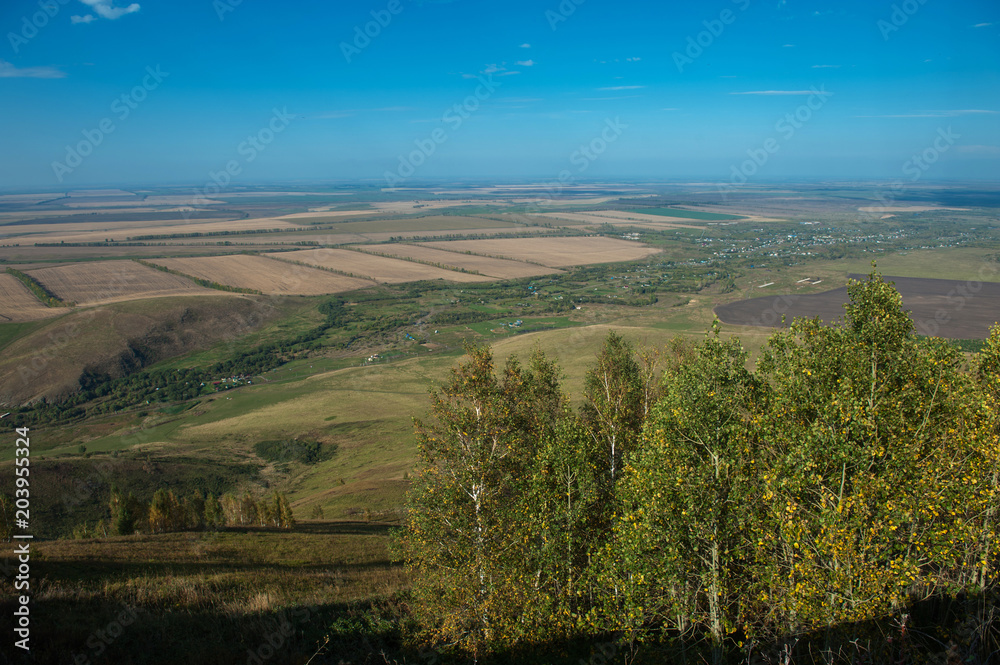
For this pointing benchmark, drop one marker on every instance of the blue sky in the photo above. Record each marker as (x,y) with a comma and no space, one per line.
(551,78)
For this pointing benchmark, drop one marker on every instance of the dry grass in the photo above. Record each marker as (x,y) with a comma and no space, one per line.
(378,268)
(120,232)
(18,304)
(208,598)
(264,274)
(553,252)
(113,281)
(500,268)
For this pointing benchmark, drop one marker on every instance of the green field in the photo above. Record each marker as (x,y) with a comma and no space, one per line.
(971,263)
(689,214)
(409,224)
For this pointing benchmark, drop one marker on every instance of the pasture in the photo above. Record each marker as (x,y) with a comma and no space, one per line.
(552,252)
(263,274)
(103,282)
(375,267)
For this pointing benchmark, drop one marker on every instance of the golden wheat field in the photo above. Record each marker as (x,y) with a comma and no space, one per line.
(552,252)
(18,304)
(104,282)
(378,268)
(264,274)
(78,232)
(500,268)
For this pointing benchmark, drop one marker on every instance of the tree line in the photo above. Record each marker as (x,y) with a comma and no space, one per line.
(167,512)
(38,289)
(207,283)
(696,509)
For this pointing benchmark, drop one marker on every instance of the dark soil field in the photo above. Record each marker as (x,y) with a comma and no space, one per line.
(938,307)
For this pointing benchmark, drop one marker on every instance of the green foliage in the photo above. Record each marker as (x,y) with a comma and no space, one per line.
(166,513)
(851,475)
(128,514)
(207,283)
(48,298)
(299,450)
(6,517)
(467,525)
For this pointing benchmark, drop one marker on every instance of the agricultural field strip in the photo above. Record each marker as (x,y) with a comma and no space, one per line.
(47,234)
(412,224)
(552,252)
(616,217)
(17,303)
(499,268)
(101,282)
(376,267)
(263,274)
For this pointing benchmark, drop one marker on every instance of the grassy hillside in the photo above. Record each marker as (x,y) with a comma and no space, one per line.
(46,360)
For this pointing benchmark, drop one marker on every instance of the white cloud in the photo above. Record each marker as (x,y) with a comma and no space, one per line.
(632,59)
(82,19)
(982,25)
(499,70)
(105,9)
(610,99)
(8,70)
(526,63)
(826,66)
(623,87)
(526,45)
